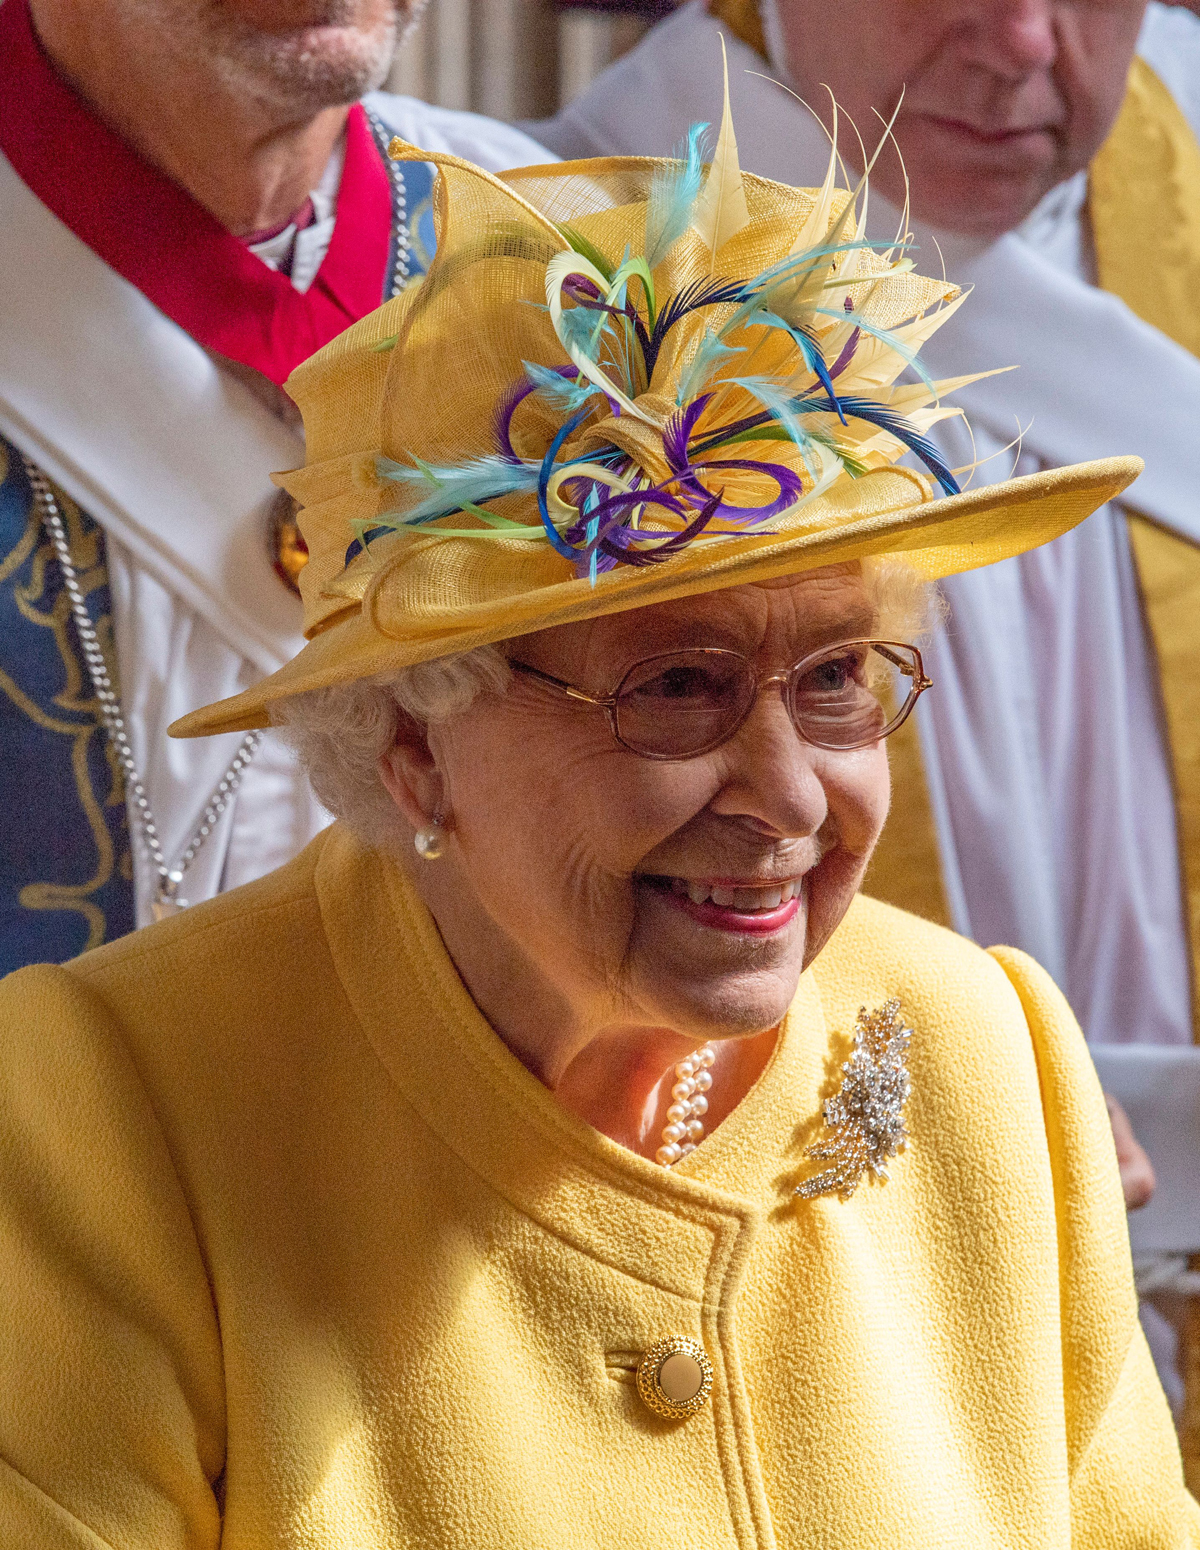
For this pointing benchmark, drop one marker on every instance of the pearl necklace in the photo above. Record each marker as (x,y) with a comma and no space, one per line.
(684,1127)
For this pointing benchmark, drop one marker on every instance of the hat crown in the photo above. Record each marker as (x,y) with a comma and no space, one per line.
(588,339)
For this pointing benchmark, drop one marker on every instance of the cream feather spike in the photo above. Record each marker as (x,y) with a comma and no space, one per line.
(721,210)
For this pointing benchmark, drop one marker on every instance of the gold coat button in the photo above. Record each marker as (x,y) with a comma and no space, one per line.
(674,1377)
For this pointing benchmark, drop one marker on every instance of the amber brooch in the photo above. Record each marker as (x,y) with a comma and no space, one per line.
(865,1121)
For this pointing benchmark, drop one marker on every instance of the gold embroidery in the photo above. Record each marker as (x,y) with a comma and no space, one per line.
(1144,194)
(75,697)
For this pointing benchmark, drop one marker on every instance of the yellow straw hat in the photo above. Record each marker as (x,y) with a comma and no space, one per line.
(623,381)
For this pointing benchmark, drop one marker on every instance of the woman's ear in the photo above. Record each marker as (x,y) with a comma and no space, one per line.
(410,774)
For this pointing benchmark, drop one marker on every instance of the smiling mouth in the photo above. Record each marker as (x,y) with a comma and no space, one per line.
(728,906)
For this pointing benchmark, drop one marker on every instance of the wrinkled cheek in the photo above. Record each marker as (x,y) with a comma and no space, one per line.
(874,806)
(857,791)
(832,884)
(858,806)
(585,916)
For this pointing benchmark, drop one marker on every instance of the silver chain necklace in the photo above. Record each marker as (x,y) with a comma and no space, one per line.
(400,257)
(166,899)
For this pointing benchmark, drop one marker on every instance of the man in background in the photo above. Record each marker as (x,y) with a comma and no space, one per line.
(194,196)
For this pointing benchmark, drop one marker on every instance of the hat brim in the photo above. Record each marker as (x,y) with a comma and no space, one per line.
(937,537)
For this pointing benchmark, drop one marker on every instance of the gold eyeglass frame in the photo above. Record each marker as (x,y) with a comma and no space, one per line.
(914,670)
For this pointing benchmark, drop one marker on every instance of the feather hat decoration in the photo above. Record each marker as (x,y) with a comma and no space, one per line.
(624,380)
(656,322)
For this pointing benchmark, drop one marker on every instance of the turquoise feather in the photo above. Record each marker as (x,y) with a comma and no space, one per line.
(711,352)
(778,401)
(562,393)
(673,193)
(467,484)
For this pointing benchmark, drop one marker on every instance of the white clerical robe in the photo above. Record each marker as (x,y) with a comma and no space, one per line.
(1042,740)
(172,455)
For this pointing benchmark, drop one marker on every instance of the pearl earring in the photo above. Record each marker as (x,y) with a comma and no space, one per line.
(428,842)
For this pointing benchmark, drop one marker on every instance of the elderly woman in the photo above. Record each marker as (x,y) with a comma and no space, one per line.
(508,1170)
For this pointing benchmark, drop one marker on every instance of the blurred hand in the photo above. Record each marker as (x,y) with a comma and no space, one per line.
(1137,1173)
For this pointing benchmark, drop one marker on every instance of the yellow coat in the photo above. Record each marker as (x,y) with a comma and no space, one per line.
(294,1253)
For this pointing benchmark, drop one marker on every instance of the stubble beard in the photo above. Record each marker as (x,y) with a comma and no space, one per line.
(328,63)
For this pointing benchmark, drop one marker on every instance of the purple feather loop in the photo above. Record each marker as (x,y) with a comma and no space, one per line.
(516,396)
(604,536)
(676,441)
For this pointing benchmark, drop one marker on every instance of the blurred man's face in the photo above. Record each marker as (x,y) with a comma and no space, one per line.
(310,53)
(1002,98)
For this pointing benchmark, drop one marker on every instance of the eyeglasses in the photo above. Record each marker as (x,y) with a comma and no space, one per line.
(686,703)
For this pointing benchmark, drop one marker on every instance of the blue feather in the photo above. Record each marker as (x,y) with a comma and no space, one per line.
(781,406)
(557,541)
(896,425)
(673,193)
(481,479)
(560,392)
(787,272)
(806,344)
(367,534)
(704,292)
(885,336)
(709,355)
(583,328)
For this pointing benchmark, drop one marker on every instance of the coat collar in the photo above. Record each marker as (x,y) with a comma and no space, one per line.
(686,1230)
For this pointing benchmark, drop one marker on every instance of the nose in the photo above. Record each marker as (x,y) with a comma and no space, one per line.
(1013,38)
(773,776)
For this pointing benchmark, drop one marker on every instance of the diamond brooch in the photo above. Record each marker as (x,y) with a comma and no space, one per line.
(865,1121)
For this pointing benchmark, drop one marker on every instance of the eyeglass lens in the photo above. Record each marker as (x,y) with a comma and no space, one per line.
(687,702)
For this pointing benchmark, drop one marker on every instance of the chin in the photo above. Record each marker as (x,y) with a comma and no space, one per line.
(974,189)
(730,1006)
(316,67)
(977,204)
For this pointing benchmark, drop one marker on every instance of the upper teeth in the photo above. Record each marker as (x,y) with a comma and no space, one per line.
(745,899)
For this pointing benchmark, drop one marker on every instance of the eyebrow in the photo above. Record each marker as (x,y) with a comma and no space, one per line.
(856,625)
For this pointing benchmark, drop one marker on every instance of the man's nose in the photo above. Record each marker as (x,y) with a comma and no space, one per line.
(1013,38)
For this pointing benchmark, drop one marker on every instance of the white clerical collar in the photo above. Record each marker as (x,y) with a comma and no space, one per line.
(300,252)
(1057,229)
